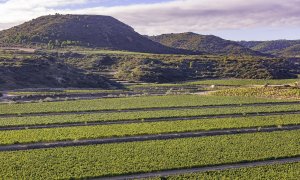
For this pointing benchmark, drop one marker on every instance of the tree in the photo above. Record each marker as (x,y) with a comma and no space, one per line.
(51,44)
(57,43)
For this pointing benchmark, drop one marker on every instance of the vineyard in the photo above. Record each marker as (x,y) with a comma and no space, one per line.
(285,171)
(126,103)
(233,133)
(266,92)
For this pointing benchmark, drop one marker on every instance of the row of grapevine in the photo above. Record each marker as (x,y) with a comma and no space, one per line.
(117,130)
(125,103)
(275,172)
(271,92)
(142,115)
(126,158)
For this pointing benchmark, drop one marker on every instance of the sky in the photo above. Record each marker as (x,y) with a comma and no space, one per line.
(229,19)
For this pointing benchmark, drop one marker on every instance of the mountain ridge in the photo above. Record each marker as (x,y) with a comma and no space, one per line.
(205,43)
(95,31)
(275,47)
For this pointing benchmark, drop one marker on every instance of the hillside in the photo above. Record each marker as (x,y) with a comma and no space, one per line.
(204,43)
(36,71)
(81,30)
(174,68)
(277,47)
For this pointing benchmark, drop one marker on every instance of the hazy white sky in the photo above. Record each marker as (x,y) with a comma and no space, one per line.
(230,19)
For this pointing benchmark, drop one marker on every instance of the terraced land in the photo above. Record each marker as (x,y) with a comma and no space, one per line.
(173,137)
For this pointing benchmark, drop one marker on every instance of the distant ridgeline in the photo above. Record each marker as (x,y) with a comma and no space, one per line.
(55,31)
(286,48)
(204,43)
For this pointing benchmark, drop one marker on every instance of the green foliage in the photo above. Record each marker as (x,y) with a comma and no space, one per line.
(269,92)
(243,82)
(127,158)
(90,132)
(276,171)
(126,103)
(142,115)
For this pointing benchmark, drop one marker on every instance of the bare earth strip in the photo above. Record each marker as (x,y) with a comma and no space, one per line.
(28,50)
(166,173)
(59,125)
(150,109)
(43,145)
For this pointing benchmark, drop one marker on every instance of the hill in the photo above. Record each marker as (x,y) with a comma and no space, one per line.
(278,47)
(204,43)
(37,71)
(81,30)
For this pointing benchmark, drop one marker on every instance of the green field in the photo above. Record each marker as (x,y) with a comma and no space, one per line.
(142,115)
(124,158)
(228,82)
(245,82)
(114,159)
(265,92)
(274,172)
(127,103)
(90,132)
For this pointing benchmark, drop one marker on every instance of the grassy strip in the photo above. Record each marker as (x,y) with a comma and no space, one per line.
(243,82)
(117,159)
(271,92)
(142,115)
(90,132)
(277,171)
(227,82)
(126,103)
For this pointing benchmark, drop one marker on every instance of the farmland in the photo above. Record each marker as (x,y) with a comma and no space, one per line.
(136,135)
(126,103)
(145,115)
(90,132)
(285,171)
(100,160)
(232,82)
(266,92)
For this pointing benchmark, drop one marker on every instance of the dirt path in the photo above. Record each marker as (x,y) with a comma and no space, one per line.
(166,173)
(28,50)
(150,109)
(42,145)
(76,124)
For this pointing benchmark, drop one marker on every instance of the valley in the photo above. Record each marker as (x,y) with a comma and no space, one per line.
(87,97)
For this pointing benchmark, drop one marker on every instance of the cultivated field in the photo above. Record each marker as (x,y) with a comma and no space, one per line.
(229,133)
